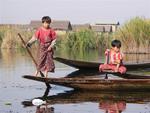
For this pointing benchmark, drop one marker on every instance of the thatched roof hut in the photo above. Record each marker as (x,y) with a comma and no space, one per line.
(97,28)
(77,27)
(35,24)
(61,25)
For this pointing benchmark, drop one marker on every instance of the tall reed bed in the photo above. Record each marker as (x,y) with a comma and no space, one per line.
(84,40)
(135,35)
(9,38)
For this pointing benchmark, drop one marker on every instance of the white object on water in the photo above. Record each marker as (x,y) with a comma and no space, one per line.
(38,102)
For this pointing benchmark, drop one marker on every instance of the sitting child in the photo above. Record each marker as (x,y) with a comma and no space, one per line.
(113,59)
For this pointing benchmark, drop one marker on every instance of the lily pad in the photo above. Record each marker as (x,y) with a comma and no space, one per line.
(8,103)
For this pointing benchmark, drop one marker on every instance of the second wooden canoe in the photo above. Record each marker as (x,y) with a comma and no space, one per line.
(83,65)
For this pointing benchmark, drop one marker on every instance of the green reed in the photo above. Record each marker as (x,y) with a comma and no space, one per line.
(84,40)
(135,35)
(9,38)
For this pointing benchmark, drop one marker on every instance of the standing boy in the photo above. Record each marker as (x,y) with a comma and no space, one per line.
(46,38)
(113,59)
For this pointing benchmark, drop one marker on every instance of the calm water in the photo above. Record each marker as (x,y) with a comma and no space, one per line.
(16,92)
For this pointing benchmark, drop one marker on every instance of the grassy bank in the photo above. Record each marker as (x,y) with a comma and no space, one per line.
(84,40)
(9,38)
(134,35)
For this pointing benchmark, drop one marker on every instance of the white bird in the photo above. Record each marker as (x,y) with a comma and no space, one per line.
(38,102)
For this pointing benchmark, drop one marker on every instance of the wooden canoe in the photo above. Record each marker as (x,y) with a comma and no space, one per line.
(97,84)
(95,65)
(92,73)
(94,96)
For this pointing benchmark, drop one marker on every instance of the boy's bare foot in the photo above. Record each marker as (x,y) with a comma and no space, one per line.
(46,76)
(36,73)
(46,73)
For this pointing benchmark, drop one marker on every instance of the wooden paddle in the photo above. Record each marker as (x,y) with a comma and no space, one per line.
(106,76)
(30,54)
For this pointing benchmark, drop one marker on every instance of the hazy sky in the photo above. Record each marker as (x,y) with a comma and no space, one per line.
(77,11)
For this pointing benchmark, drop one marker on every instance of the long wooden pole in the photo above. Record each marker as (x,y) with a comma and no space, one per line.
(29,52)
(24,43)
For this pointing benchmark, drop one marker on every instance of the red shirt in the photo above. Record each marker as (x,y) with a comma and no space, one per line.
(41,34)
(114,56)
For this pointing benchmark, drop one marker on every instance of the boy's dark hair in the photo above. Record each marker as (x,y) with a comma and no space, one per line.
(46,19)
(116,43)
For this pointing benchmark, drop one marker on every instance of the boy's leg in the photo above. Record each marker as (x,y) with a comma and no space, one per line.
(105,67)
(101,67)
(36,73)
(46,73)
(113,68)
(122,69)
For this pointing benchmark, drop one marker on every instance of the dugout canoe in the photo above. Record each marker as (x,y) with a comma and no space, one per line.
(83,65)
(97,74)
(75,96)
(97,83)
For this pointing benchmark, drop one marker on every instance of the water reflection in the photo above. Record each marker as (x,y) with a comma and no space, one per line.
(110,102)
(80,55)
(98,56)
(137,58)
(113,107)
(14,64)
(44,109)
(10,57)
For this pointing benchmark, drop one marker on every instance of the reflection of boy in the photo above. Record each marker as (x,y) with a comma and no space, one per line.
(111,107)
(114,58)
(47,38)
(44,109)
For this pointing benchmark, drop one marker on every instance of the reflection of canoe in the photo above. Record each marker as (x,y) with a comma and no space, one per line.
(92,96)
(94,65)
(96,83)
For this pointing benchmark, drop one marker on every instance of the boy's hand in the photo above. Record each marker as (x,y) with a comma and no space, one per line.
(105,62)
(49,49)
(117,61)
(116,70)
(28,45)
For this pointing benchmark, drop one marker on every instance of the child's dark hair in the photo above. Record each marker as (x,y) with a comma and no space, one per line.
(46,19)
(116,43)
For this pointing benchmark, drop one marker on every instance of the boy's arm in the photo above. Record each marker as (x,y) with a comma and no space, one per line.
(107,53)
(31,41)
(117,67)
(52,45)
(53,35)
(118,62)
(106,60)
